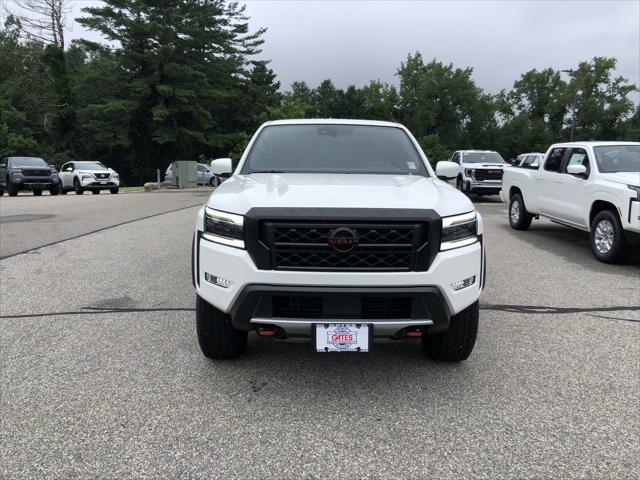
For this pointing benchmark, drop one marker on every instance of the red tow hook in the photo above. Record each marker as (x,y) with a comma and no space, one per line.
(263,332)
(413,333)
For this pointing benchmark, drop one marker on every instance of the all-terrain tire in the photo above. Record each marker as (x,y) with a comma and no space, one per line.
(607,237)
(216,336)
(456,343)
(519,218)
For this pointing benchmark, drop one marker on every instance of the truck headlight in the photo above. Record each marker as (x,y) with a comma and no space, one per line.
(470,172)
(459,231)
(223,227)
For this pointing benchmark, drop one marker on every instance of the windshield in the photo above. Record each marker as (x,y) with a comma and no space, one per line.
(334,149)
(618,158)
(482,157)
(27,162)
(90,166)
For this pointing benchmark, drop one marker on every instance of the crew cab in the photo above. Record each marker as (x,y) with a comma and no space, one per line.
(592,186)
(28,173)
(529,160)
(338,231)
(480,171)
(91,176)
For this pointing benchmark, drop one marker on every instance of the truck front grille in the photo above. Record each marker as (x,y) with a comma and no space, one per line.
(482,175)
(345,246)
(36,172)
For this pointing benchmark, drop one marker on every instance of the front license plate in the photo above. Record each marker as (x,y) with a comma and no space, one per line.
(343,337)
(103,183)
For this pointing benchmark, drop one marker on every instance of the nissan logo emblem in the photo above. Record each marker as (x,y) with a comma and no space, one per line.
(343,240)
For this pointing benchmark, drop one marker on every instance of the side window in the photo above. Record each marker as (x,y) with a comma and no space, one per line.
(528,160)
(577,156)
(456,157)
(201,168)
(554,160)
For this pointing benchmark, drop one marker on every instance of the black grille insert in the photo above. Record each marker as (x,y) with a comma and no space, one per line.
(296,306)
(378,247)
(36,172)
(482,175)
(386,307)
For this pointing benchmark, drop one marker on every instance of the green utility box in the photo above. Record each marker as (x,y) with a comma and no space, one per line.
(185,173)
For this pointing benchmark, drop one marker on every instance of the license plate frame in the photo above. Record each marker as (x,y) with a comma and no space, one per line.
(347,336)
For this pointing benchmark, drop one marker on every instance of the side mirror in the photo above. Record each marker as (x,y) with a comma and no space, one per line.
(576,169)
(447,170)
(221,166)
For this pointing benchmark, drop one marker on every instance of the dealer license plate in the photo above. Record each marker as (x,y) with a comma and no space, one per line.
(343,337)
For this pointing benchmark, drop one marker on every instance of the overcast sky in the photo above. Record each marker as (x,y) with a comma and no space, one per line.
(352,42)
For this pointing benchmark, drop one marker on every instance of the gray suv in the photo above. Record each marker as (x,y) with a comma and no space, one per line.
(28,173)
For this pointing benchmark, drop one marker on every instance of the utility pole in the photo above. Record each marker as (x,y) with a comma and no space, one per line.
(574,73)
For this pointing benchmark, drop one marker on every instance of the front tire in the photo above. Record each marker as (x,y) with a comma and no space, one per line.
(456,343)
(55,190)
(76,187)
(216,336)
(607,237)
(519,218)
(37,193)
(114,190)
(11,188)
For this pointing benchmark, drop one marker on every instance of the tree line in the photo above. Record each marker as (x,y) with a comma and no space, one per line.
(180,80)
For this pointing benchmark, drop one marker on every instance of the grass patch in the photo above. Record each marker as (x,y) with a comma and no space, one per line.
(131,189)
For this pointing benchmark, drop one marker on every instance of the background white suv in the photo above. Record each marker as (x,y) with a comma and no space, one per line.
(92,176)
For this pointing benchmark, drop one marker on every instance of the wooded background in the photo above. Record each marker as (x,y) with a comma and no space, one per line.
(179,80)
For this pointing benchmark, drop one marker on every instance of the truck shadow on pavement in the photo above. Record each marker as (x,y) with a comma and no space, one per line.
(572,245)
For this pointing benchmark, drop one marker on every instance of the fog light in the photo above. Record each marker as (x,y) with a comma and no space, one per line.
(219,281)
(460,284)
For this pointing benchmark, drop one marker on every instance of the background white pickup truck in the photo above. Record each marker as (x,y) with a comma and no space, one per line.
(480,171)
(592,186)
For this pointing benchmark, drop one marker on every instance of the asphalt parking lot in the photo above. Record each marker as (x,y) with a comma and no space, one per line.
(101,374)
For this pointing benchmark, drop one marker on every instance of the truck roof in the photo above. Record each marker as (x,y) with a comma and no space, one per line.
(593,143)
(336,121)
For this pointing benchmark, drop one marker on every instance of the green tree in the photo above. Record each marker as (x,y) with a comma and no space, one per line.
(185,63)
(443,100)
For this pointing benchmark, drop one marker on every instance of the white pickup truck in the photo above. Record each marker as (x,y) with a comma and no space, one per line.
(592,186)
(338,231)
(480,171)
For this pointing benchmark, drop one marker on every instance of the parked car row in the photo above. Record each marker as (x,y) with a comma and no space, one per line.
(591,186)
(36,175)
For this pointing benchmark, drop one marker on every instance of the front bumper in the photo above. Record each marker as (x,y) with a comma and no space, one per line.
(250,286)
(34,183)
(488,187)
(95,184)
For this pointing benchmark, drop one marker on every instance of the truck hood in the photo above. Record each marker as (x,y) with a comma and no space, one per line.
(242,192)
(628,178)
